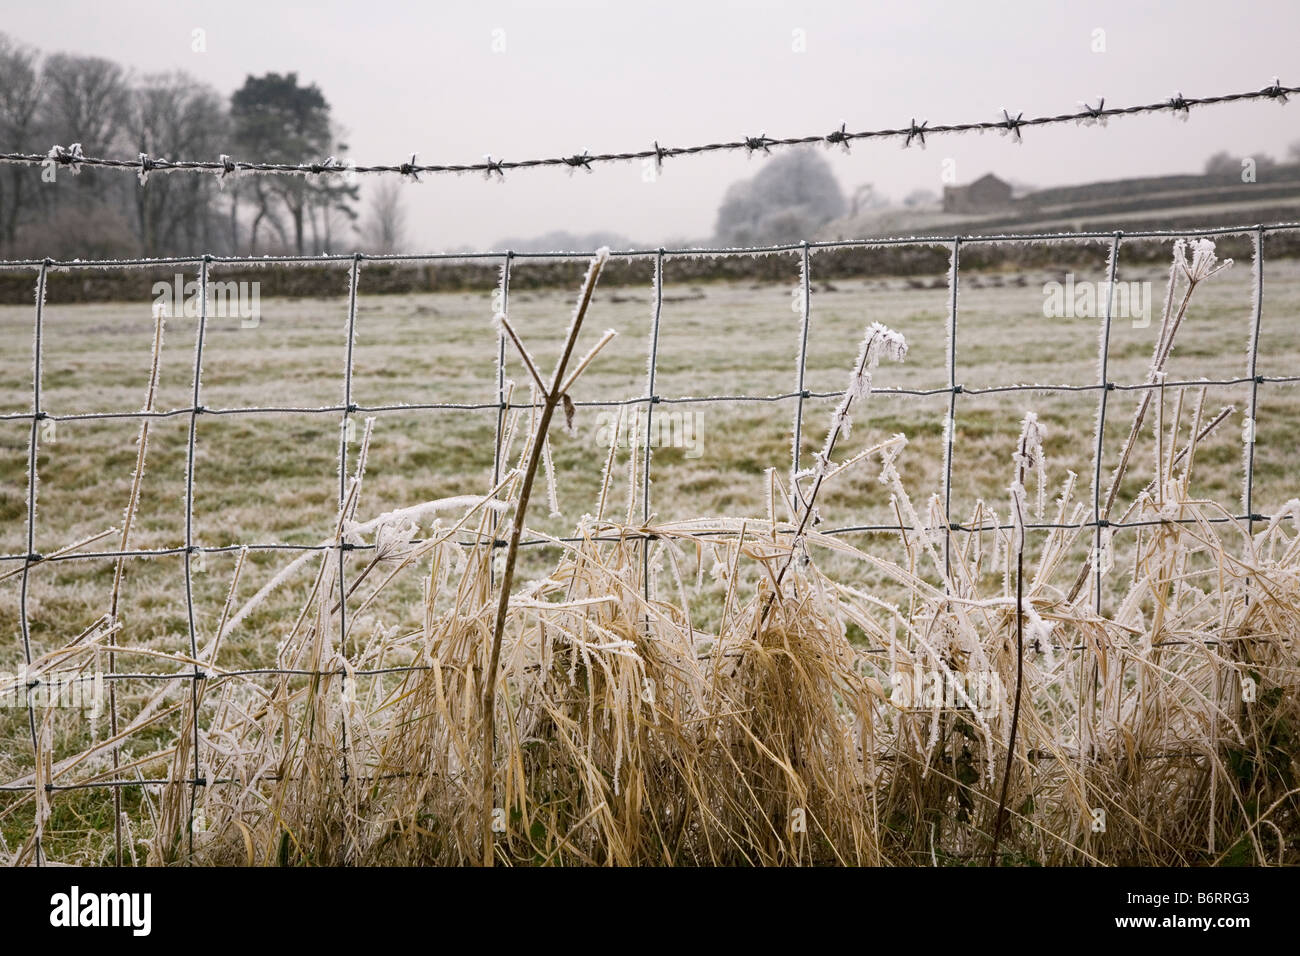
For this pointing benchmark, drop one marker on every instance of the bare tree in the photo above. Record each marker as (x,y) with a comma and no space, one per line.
(87,96)
(175,113)
(384,229)
(331,200)
(21,96)
(86,103)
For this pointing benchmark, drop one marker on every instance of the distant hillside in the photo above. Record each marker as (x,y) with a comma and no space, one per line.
(1163,202)
(561,241)
(1144,203)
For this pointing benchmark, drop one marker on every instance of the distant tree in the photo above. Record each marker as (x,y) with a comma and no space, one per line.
(276,120)
(86,99)
(332,224)
(331,202)
(1222,163)
(64,99)
(794,194)
(919,198)
(21,98)
(384,228)
(176,114)
(88,230)
(866,197)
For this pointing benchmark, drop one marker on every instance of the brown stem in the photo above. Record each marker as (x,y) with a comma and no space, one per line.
(128,518)
(1020,671)
(1015,708)
(552,399)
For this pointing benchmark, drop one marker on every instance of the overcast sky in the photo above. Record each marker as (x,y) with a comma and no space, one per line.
(551,77)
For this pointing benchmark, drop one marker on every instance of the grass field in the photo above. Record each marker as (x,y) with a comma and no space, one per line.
(272,476)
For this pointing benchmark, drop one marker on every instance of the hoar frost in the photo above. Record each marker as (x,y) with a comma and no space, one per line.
(1028,455)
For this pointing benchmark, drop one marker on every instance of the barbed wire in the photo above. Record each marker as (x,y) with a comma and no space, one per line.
(224,166)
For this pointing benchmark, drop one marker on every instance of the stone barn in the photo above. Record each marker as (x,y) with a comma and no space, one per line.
(986,194)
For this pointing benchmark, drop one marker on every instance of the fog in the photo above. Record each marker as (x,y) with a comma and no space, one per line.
(525,79)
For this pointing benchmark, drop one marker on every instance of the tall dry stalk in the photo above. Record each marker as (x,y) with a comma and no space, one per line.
(1203,265)
(879,342)
(128,518)
(1029,455)
(556,391)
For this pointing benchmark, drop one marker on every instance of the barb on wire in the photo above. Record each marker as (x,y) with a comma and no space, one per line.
(224,166)
(70,156)
(410,169)
(582,161)
(1012,124)
(1094,114)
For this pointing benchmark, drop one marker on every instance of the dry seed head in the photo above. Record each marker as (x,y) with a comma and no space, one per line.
(1028,455)
(1029,450)
(1204,262)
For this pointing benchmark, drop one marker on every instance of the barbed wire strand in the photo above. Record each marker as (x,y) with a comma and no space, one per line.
(72,157)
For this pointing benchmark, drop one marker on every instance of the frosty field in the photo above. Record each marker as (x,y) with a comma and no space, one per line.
(272,476)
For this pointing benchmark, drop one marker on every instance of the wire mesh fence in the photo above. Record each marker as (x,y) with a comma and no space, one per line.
(30,562)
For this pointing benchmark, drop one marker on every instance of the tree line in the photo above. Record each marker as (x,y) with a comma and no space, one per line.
(61,98)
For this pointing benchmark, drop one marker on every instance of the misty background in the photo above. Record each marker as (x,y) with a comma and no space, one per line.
(285,83)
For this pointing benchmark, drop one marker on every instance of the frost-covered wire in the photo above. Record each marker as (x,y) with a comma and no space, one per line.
(1007,123)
